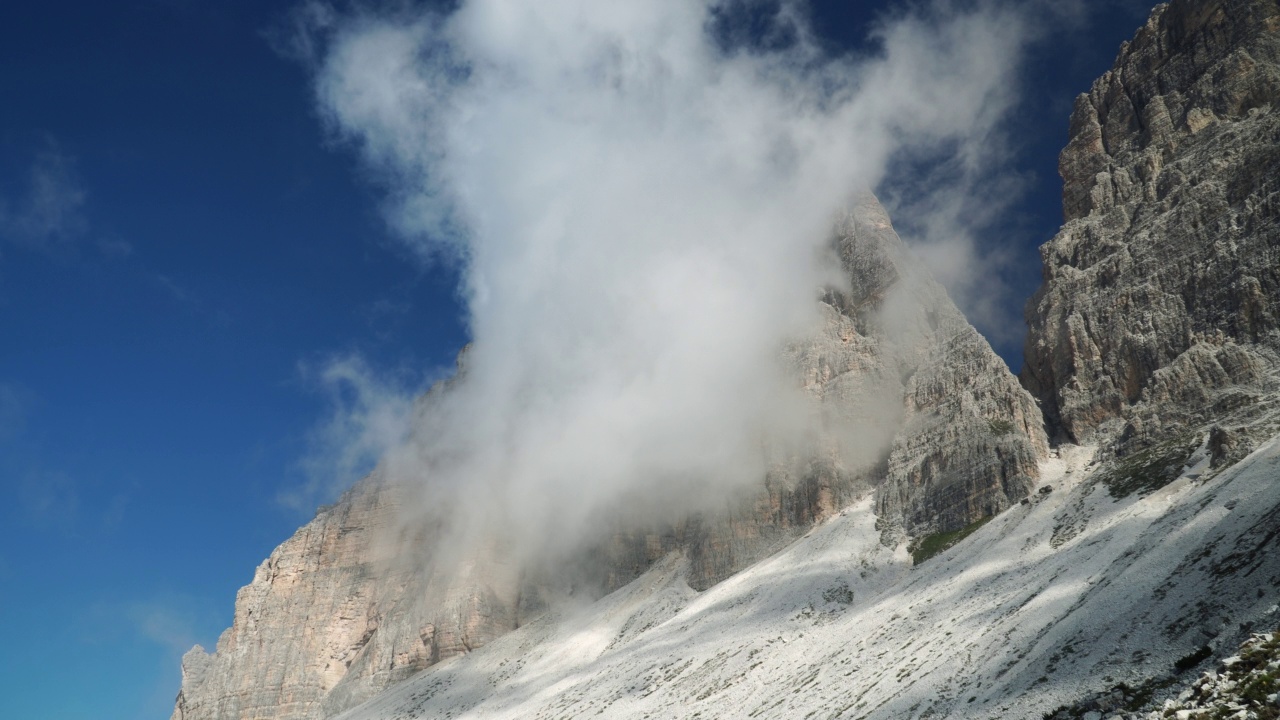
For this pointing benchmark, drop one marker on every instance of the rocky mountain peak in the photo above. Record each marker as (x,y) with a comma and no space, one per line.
(916,407)
(1191,65)
(1158,318)
(1159,303)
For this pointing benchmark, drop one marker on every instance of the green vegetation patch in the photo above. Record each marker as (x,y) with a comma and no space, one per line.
(1149,470)
(1259,687)
(1000,427)
(931,545)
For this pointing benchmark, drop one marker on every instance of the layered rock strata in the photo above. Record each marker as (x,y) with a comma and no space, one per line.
(1160,308)
(344,608)
(1158,314)
(913,403)
(967,437)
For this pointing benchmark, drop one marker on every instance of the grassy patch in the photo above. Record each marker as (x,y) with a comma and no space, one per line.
(838,594)
(931,545)
(1141,695)
(1000,427)
(1149,470)
(1259,687)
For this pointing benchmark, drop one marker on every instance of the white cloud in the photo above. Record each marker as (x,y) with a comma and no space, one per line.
(115,247)
(371,414)
(949,216)
(48,216)
(165,624)
(641,215)
(173,621)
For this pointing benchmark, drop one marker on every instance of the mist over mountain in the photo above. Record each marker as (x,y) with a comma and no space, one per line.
(721,444)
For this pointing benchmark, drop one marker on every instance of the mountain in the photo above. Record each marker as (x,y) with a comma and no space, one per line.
(1158,308)
(956,564)
(354,603)
(1074,593)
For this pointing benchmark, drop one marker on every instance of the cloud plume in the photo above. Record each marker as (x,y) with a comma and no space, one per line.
(640,197)
(48,216)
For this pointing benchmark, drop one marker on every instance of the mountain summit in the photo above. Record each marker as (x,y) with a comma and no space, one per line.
(924,551)
(913,406)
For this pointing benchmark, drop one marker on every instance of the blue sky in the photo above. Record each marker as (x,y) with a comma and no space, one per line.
(181,245)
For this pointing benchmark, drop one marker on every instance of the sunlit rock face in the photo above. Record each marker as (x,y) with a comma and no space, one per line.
(916,406)
(968,438)
(1158,312)
(347,606)
(1161,293)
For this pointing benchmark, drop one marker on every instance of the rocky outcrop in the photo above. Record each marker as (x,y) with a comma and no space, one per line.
(1160,311)
(347,606)
(964,438)
(913,402)
(1160,308)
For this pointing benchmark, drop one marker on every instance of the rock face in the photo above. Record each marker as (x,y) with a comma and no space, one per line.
(1161,298)
(345,607)
(969,437)
(919,407)
(916,404)
(1160,311)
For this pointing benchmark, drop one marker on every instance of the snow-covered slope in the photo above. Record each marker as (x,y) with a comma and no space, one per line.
(1074,591)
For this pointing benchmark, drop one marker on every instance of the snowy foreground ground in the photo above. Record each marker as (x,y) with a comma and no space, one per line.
(1071,593)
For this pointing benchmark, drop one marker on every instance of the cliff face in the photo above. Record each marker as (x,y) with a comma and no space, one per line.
(969,437)
(1161,295)
(347,606)
(916,406)
(920,408)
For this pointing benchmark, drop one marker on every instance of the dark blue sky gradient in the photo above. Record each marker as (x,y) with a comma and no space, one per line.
(152,406)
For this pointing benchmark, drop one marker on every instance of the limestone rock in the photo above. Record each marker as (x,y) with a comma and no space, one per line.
(1226,447)
(916,404)
(344,608)
(969,437)
(926,413)
(1160,307)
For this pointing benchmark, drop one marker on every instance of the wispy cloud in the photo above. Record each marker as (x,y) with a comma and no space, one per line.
(49,500)
(12,411)
(370,414)
(641,203)
(958,210)
(165,624)
(175,290)
(953,216)
(193,302)
(48,214)
(298,34)
(385,315)
(173,621)
(114,247)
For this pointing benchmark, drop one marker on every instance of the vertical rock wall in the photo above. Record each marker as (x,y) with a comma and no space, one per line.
(969,437)
(345,607)
(1161,295)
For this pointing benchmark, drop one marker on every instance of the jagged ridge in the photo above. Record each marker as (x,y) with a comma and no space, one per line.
(1161,293)
(347,624)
